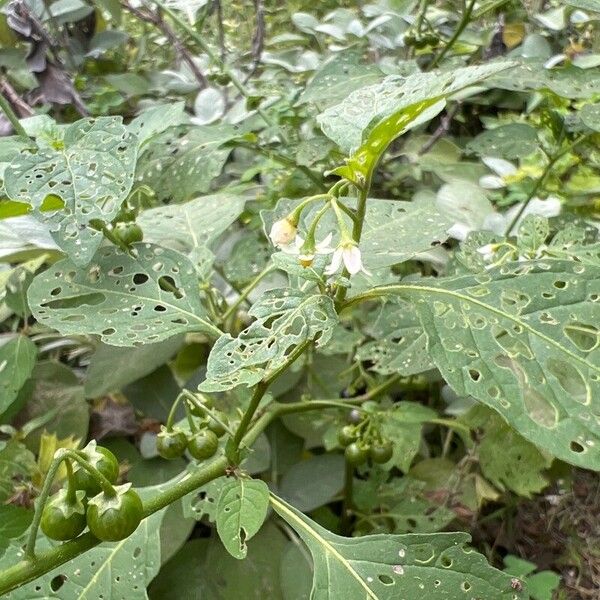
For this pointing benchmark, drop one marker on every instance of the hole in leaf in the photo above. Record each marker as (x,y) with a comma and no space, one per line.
(576,447)
(57,582)
(140,278)
(385,579)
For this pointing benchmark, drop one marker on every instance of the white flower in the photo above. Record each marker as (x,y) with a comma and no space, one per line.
(283,233)
(555,60)
(487,251)
(305,255)
(349,254)
(503,170)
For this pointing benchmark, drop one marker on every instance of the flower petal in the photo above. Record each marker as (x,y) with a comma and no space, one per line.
(459,231)
(352,259)
(491,182)
(336,262)
(499,166)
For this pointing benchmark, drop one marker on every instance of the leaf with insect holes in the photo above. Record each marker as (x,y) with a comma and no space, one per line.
(89,171)
(285,320)
(436,566)
(182,161)
(369,119)
(523,339)
(241,511)
(127,300)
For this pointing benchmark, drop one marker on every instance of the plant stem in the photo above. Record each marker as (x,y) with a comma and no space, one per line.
(259,392)
(345,527)
(466,17)
(213,56)
(60,456)
(191,398)
(28,570)
(11,116)
(246,292)
(71,489)
(540,182)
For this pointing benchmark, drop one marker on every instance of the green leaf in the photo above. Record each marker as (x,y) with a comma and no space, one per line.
(342,74)
(16,462)
(312,483)
(285,319)
(592,5)
(17,359)
(111,570)
(381,567)
(394,231)
(126,300)
(524,340)
(14,521)
(111,368)
(155,120)
(204,501)
(183,162)
(519,466)
(567,82)
(91,170)
(507,141)
(590,116)
(399,344)
(370,118)
(241,511)
(191,228)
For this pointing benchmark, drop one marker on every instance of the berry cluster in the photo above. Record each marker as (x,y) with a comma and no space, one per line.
(362,440)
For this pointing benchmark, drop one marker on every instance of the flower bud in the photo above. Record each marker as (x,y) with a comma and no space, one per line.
(283,232)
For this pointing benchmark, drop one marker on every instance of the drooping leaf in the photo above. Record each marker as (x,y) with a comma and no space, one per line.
(17,359)
(241,511)
(183,162)
(285,319)
(382,567)
(370,118)
(90,170)
(524,340)
(126,300)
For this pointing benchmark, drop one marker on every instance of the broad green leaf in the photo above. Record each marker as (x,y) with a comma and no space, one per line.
(519,466)
(111,570)
(590,116)
(399,344)
(241,511)
(370,118)
(17,359)
(394,231)
(339,76)
(285,319)
(23,234)
(592,5)
(191,228)
(90,170)
(249,256)
(311,483)
(182,162)
(155,120)
(507,141)
(524,340)
(382,567)
(56,396)
(14,521)
(204,501)
(16,462)
(126,300)
(567,82)
(111,368)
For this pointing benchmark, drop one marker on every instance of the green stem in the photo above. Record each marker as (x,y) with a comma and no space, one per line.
(11,116)
(259,392)
(191,398)
(540,182)
(28,570)
(466,17)
(171,416)
(212,55)
(71,489)
(246,292)
(60,456)
(347,501)
(361,211)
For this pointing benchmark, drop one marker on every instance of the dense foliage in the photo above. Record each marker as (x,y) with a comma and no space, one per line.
(299,300)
